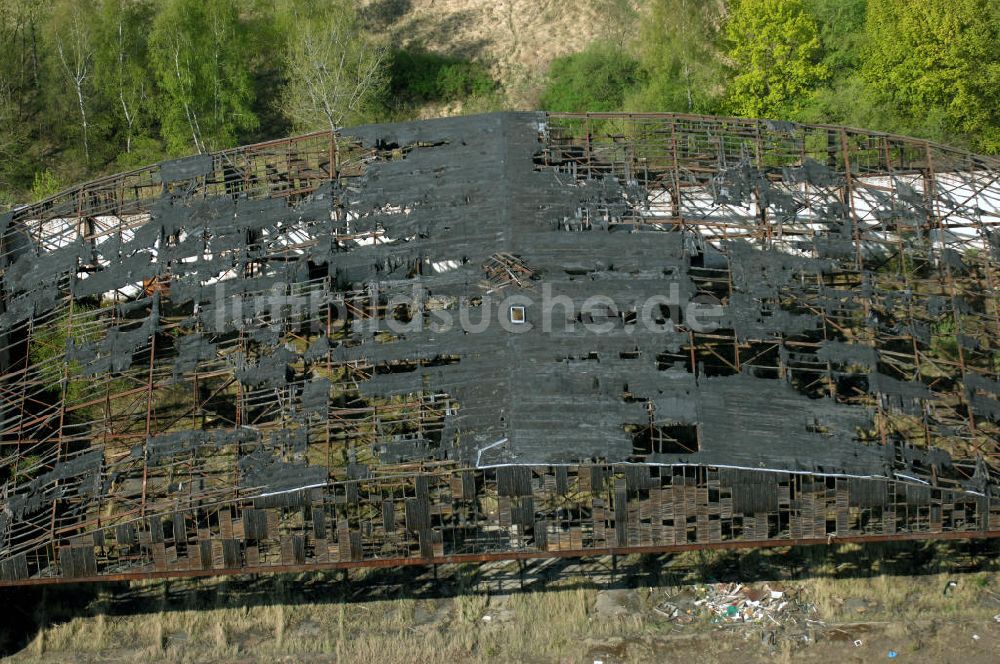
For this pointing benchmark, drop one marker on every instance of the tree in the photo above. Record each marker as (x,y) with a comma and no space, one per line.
(939,59)
(18,94)
(679,52)
(335,74)
(775,48)
(595,79)
(200,54)
(122,66)
(71,35)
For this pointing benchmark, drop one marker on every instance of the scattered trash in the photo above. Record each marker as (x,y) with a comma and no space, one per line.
(487,618)
(892,654)
(858,643)
(975,637)
(734,602)
(948,587)
(996,618)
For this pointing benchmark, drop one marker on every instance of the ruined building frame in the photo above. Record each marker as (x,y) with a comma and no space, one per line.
(700,332)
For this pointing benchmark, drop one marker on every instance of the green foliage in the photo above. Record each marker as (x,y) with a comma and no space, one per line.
(422,76)
(94,86)
(49,343)
(44,185)
(199,53)
(121,70)
(775,47)
(335,74)
(595,79)
(71,33)
(681,59)
(939,58)
(842,32)
(944,339)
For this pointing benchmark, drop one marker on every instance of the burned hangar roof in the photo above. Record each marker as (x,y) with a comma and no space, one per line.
(514,289)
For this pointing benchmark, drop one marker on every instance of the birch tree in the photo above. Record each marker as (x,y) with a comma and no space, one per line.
(122,65)
(72,37)
(335,75)
(200,54)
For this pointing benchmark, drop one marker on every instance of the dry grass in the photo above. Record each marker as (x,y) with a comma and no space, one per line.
(918,615)
(517,38)
(555,626)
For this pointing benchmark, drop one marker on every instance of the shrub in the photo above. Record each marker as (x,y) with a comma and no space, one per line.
(422,76)
(595,79)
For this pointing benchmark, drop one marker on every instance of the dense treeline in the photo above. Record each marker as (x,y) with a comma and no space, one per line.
(927,68)
(93,86)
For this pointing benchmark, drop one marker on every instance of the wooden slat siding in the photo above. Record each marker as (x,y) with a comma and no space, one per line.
(540,533)
(843,506)
(701,527)
(253,555)
(343,540)
(180,528)
(356,549)
(231,558)
(726,506)
(287,555)
(656,515)
(155,527)
(936,517)
(468,485)
(239,526)
(562,480)
(826,505)
(19,566)
(715,530)
(679,504)
(323,550)
(225,524)
(621,513)
(389,516)
(633,525)
(273,520)
(455,485)
(600,516)
(318,523)
(159,557)
(298,549)
(504,512)
(808,509)
(67,563)
(205,554)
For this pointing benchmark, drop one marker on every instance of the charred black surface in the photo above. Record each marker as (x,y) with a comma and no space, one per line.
(500,334)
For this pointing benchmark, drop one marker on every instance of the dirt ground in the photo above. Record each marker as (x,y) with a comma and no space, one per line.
(516,38)
(909,602)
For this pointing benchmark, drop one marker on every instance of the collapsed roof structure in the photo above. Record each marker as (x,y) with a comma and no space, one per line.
(500,336)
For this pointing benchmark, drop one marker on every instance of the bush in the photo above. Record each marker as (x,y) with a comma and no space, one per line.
(595,79)
(422,76)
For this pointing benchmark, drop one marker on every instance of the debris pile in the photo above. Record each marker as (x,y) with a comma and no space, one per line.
(735,603)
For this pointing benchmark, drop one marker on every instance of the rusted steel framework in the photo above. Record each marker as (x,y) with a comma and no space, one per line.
(195,380)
